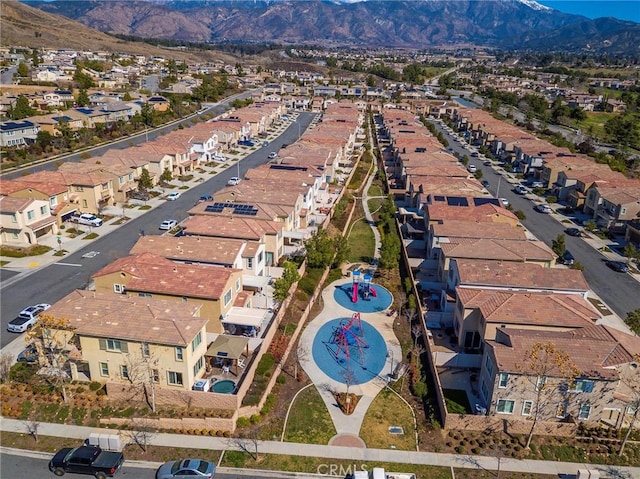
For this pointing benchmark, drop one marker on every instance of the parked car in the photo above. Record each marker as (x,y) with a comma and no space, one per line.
(618,266)
(245,143)
(86,219)
(173,196)
(88,460)
(543,208)
(219,157)
(272,155)
(520,190)
(485,183)
(504,201)
(204,198)
(26,318)
(168,225)
(487,163)
(186,467)
(233,181)
(472,168)
(537,184)
(567,258)
(573,232)
(28,355)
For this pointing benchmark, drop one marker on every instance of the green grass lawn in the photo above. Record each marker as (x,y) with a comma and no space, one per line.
(597,121)
(361,242)
(388,410)
(375,203)
(457,401)
(309,420)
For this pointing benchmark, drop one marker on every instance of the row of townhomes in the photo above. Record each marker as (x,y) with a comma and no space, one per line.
(492,293)
(193,306)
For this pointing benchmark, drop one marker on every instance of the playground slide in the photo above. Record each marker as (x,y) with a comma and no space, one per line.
(374,293)
(354,298)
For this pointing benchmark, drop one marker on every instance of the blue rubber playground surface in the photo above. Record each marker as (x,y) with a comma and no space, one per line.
(343,294)
(336,351)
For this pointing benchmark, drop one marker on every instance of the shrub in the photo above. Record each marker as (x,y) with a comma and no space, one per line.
(281,379)
(266,364)
(307,284)
(255,419)
(94,385)
(551,199)
(243,422)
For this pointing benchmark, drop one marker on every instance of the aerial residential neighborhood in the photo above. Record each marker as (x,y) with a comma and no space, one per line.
(348,263)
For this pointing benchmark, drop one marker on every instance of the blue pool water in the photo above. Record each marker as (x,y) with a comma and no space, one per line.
(225,386)
(333,361)
(343,294)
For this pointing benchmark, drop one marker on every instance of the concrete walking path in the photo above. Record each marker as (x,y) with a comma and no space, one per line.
(360,455)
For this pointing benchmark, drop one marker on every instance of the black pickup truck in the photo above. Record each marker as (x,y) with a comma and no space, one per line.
(86,460)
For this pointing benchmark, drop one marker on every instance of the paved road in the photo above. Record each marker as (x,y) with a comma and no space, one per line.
(619,291)
(19,466)
(50,284)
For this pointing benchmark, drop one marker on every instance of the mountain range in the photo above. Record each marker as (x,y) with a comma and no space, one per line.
(513,24)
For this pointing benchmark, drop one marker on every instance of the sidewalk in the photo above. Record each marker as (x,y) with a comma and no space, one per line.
(361,455)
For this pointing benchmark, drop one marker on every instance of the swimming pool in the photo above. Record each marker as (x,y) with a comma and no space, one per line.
(224,386)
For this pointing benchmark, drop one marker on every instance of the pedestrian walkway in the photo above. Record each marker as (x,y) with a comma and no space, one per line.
(359,455)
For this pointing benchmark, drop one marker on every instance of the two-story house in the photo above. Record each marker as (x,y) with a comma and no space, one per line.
(24,220)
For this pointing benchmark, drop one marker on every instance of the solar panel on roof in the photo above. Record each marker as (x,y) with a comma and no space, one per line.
(486,201)
(457,201)
(438,198)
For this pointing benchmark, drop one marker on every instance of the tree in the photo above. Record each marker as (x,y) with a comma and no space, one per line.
(142,433)
(558,245)
(166,175)
(551,373)
(320,250)
(6,361)
(342,249)
(21,109)
(83,98)
(248,444)
(281,285)
(142,369)
(145,182)
(633,320)
(371,81)
(23,69)
(630,252)
(53,337)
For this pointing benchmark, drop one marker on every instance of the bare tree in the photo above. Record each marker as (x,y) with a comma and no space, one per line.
(248,444)
(53,339)
(631,379)
(142,434)
(32,428)
(551,372)
(6,361)
(142,369)
(301,353)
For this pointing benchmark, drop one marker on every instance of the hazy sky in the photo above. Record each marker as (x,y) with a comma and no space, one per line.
(622,9)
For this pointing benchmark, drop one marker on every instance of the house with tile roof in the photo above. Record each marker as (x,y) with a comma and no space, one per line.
(148,275)
(246,255)
(125,338)
(479,313)
(24,220)
(18,132)
(612,204)
(269,233)
(598,394)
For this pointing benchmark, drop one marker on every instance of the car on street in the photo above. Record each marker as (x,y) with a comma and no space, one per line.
(472,168)
(485,183)
(619,266)
(504,201)
(233,181)
(88,460)
(168,225)
(28,355)
(520,190)
(173,196)
(186,467)
(272,155)
(543,208)
(573,232)
(487,163)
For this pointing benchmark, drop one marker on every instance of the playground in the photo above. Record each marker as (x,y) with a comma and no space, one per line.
(360,295)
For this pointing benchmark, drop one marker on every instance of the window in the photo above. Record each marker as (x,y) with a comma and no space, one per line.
(249,262)
(105,186)
(174,378)
(585,410)
(113,345)
(196,341)
(43,210)
(30,214)
(504,379)
(561,410)
(505,406)
(198,366)
(145,295)
(485,390)
(540,382)
(79,188)
(14,219)
(118,288)
(260,257)
(526,408)
(155,375)
(237,285)
(583,386)
(227,297)
(104,370)
(179,353)
(84,203)
(124,371)
(488,364)
(145,350)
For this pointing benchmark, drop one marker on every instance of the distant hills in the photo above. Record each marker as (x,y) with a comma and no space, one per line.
(514,24)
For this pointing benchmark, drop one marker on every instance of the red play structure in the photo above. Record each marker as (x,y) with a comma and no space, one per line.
(350,335)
